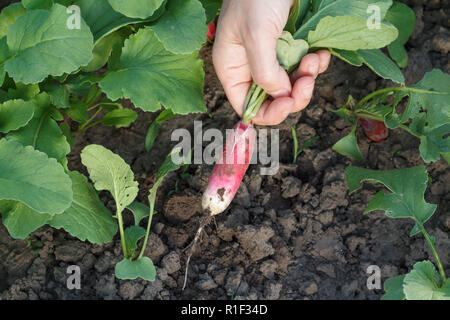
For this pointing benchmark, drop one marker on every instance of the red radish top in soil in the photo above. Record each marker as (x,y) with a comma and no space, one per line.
(211,31)
(375,130)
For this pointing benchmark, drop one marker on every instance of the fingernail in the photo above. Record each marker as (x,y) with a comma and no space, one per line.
(280,94)
(307,91)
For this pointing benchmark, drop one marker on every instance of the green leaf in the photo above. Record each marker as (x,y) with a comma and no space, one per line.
(422,283)
(348,146)
(139,210)
(432,94)
(132,235)
(29,176)
(87,218)
(394,288)
(51,49)
(379,63)
(433,143)
(4,55)
(110,172)
(119,118)
(211,8)
(407,187)
(104,47)
(398,53)
(140,268)
(182,28)
(9,15)
(334,8)
(15,114)
(446,156)
(404,19)
(25,92)
(59,95)
(65,129)
(152,131)
(37,4)
(149,76)
(136,8)
(350,33)
(20,220)
(290,51)
(348,56)
(78,110)
(43,132)
(103,19)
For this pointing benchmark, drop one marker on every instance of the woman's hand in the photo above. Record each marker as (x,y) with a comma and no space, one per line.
(244,51)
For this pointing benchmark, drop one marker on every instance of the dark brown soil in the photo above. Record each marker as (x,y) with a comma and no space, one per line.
(295,235)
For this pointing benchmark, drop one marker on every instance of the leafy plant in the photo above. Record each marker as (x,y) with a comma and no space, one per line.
(110,172)
(307,144)
(426,115)
(406,200)
(71,71)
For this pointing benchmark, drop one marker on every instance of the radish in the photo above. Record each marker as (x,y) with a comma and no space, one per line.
(211,31)
(227,175)
(375,130)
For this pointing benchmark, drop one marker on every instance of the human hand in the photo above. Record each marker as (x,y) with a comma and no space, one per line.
(244,51)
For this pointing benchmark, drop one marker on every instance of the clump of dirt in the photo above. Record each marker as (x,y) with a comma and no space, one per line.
(294,235)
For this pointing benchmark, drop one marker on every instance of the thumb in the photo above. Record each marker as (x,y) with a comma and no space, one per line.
(264,66)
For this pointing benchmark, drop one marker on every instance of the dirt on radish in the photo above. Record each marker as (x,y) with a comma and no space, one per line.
(294,235)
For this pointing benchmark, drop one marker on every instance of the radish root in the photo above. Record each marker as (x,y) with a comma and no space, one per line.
(203,223)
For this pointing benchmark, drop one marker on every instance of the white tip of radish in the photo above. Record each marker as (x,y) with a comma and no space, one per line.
(213,205)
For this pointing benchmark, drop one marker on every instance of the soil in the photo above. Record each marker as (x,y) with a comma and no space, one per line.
(295,235)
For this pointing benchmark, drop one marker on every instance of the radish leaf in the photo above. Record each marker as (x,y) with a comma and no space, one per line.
(404,19)
(139,210)
(21,220)
(140,268)
(341,8)
(394,288)
(136,8)
(119,118)
(103,20)
(87,218)
(9,15)
(350,33)
(42,132)
(182,28)
(132,235)
(15,114)
(379,63)
(51,38)
(110,172)
(423,283)
(211,8)
(29,176)
(407,187)
(348,146)
(150,76)
(37,4)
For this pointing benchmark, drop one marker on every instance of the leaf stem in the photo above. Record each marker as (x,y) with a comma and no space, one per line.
(85,126)
(149,223)
(433,250)
(294,137)
(378,92)
(122,233)
(255,98)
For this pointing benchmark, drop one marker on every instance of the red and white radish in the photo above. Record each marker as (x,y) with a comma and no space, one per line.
(230,169)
